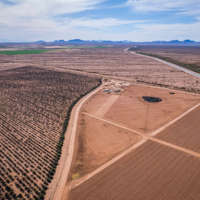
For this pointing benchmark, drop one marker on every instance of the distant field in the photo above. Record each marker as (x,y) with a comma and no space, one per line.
(23,52)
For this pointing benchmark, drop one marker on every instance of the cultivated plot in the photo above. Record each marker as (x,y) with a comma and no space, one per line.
(152,171)
(185,132)
(33,106)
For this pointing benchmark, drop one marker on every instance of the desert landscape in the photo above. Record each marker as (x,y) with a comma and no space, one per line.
(111,61)
(186,56)
(97,122)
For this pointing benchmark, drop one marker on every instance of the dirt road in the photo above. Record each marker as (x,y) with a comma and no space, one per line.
(170,64)
(70,134)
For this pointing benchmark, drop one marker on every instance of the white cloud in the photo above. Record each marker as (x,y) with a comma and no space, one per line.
(31,8)
(165,5)
(101,23)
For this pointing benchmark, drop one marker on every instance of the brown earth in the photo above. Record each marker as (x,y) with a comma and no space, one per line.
(152,171)
(131,111)
(185,132)
(99,141)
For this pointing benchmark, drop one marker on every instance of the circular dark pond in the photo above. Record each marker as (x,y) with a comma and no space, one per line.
(152,99)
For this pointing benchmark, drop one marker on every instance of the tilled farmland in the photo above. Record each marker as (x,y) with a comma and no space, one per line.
(184,132)
(33,107)
(151,172)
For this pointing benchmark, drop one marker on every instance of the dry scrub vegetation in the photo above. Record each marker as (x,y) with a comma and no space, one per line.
(114,62)
(34,105)
(186,56)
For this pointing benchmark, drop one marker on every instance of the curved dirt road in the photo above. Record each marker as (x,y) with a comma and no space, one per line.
(170,64)
(70,137)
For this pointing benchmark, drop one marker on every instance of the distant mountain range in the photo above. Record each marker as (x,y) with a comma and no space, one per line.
(187,41)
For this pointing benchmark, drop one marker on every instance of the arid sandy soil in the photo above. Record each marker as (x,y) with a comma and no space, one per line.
(184,132)
(142,173)
(112,61)
(34,102)
(185,54)
(132,111)
(152,171)
(9,65)
(99,141)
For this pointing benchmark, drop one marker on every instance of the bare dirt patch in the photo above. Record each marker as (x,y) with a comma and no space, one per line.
(98,143)
(131,111)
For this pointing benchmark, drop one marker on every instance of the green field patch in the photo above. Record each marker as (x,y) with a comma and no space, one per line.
(23,52)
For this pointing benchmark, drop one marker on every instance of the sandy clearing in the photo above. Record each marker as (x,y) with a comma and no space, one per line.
(102,167)
(107,105)
(112,123)
(132,111)
(97,143)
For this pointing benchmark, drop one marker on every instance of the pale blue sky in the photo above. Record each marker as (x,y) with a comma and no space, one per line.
(134,20)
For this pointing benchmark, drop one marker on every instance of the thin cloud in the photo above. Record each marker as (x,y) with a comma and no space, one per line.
(164,5)
(101,23)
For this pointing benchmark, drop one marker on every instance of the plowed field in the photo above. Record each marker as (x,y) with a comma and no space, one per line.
(150,172)
(185,132)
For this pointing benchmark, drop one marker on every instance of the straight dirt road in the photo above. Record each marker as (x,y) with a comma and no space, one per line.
(70,134)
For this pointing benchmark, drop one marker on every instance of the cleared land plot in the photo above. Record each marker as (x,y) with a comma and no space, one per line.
(185,132)
(9,65)
(98,143)
(112,61)
(151,172)
(130,110)
(33,108)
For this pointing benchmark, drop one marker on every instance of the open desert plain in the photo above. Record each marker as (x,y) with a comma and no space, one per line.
(102,122)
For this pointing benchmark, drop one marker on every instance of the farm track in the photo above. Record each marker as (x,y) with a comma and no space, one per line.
(149,137)
(170,64)
(61,185)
